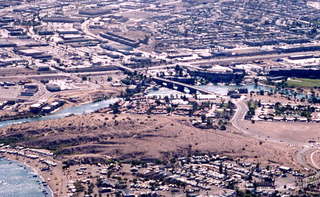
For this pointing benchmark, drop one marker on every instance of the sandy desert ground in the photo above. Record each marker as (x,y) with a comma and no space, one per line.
(142,137)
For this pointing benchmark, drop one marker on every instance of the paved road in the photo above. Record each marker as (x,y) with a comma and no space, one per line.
(183,84)
(54,75)
(220,60)
(238,118)
(315,164)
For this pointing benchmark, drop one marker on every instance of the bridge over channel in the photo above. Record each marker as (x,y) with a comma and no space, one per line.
(180,86)
(171,84)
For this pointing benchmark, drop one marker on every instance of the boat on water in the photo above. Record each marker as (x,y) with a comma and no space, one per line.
(45,192)
(69,115)
(34,175)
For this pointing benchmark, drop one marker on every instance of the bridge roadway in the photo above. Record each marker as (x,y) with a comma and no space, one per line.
(190,87)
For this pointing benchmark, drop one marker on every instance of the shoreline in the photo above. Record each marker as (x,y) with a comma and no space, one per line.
(33,170)
(28,119)
(19,116)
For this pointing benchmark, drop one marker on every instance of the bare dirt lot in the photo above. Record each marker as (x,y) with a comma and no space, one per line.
(291,132)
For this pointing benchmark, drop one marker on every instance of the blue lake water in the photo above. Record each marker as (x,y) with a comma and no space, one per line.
(17,180)
(163,92)
(218,89)
(77,110)
(223,89)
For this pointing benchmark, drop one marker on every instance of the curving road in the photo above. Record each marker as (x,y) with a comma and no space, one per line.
(315,164)
(238,118)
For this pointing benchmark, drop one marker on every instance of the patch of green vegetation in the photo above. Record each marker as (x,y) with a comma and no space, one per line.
(79,187)
(252,106)
(304,111)
(245,194)
(303,82)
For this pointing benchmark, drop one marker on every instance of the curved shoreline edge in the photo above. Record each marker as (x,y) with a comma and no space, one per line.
(33,170)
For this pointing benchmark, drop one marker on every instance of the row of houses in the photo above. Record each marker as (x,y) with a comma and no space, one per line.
(43,107)
(289,112)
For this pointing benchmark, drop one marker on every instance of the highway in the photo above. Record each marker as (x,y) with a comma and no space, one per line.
(55,75)
(248,58)
(223,60)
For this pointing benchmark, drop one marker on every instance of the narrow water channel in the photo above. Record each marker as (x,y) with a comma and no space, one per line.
(76,110)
